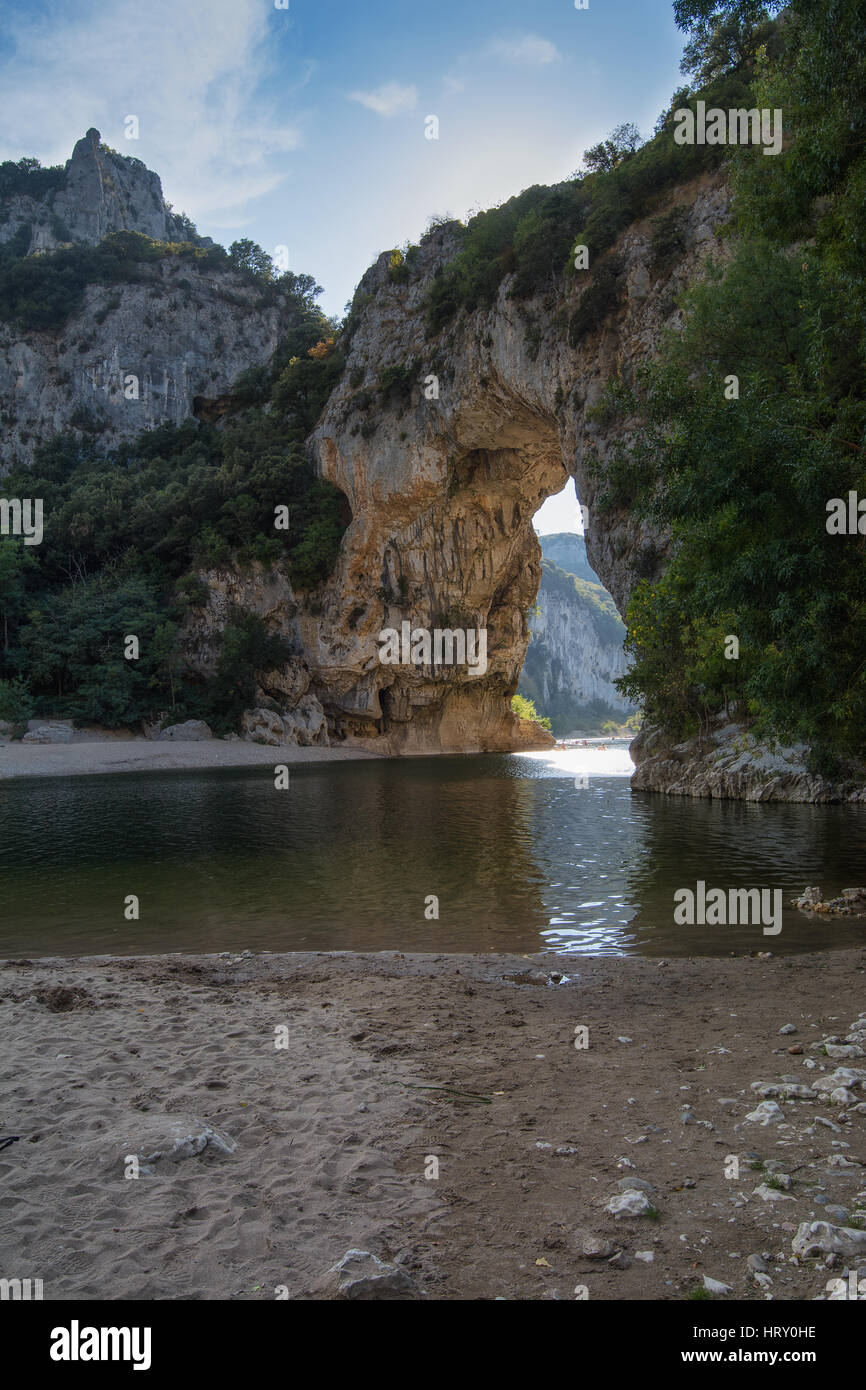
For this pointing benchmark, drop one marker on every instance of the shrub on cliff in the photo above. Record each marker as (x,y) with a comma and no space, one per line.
(43,291)
(525,709)
(533,234)
(28,179)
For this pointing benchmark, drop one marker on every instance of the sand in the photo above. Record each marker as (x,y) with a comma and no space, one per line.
(310,1150)
(144,755)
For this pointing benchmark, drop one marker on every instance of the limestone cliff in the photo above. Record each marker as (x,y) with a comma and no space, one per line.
(444,446)
(729,762)
(98,192)
(183,333)
(134,355)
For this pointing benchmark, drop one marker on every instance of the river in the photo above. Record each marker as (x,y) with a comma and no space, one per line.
(523,852)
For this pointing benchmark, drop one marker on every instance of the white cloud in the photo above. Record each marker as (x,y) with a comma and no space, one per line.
(528,50)
(389,99)
(192,76)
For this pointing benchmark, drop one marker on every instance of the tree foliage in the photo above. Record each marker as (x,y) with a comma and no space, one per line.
(742,485)
(129,531)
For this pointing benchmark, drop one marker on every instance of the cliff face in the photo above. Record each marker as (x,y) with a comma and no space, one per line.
(729,763)
(183,333)
(575,650)
(567,550)
(443,489)
(135,355)
(445,447)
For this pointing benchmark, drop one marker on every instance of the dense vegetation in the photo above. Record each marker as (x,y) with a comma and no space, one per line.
(127,533)
(743,484)
(27,178)
(42,292)
(525,709)
(534,234)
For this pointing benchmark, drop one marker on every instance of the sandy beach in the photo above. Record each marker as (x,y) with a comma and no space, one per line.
(80,759)
(260,1166)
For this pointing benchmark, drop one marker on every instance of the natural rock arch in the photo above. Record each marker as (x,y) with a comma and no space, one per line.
(444,476)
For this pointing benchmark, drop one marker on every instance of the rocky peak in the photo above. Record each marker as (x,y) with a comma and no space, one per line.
(99,192)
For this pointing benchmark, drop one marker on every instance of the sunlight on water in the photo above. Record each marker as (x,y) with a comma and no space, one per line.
(593,760)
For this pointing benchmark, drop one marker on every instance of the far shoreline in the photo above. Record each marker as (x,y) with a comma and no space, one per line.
(94,757)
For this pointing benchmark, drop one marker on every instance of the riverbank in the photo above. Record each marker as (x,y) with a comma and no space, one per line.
(286,1157)
(147,755)
(114,754)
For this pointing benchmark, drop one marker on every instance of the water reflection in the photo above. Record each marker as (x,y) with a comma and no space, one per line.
(518,856)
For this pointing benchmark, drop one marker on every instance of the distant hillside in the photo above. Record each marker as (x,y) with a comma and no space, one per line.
(568,550)
(576,648)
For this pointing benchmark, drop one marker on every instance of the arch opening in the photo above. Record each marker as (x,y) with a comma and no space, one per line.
(576,645)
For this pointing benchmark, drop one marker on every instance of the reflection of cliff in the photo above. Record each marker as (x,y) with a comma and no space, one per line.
(345,861)
(575,650)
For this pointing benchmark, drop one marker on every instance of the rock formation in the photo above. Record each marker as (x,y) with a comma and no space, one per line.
(182,330)
(444,447)
(99,192)
(444,480)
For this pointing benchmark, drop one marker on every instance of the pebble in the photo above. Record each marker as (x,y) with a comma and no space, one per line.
(821,1238)
(757,1264)
(835,1213)
(620,1261)
(767,1113)
(633,1202)
(715,1285)
(771,1194)
(634,1185)
(841,1096)
(645,1256)
(595,1248)
(788,1028)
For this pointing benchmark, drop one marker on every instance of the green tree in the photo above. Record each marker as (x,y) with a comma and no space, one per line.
(248,255)
(17,565)
(620,145)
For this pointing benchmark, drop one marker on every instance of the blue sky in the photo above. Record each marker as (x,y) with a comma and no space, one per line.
(304,127)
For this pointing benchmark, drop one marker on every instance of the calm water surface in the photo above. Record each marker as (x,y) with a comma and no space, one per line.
(520,858)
